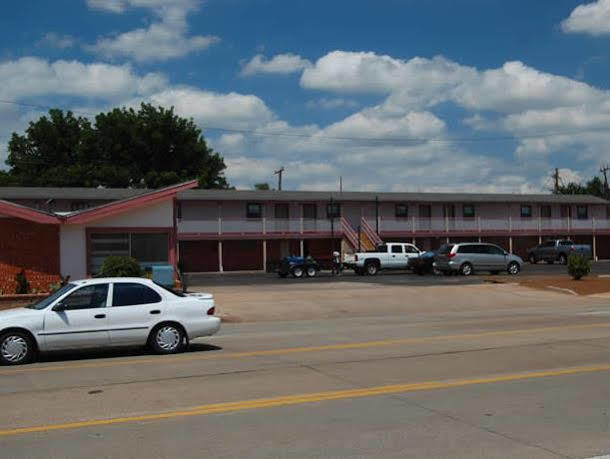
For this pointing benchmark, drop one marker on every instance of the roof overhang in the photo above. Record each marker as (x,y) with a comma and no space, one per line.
(128,204)
(26,213)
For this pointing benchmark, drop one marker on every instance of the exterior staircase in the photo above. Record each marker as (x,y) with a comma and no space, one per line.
(365,239)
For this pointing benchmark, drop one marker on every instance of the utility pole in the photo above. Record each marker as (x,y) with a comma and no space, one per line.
(556,181)
(604,170)
(279,178)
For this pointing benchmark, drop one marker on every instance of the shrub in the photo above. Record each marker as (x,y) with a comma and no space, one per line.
(23,285)
(578,266)
(118,266)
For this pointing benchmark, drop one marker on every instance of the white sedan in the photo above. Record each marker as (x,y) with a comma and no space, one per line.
(103,312)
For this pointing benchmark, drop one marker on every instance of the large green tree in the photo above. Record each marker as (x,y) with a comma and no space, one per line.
(150,147)
(593,187)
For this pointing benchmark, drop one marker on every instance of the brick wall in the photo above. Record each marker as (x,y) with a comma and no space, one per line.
(29,246)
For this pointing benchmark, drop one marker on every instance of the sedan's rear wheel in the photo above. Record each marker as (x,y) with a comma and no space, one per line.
(167,339)
(16,348)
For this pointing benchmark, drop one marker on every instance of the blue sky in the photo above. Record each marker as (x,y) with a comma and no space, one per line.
(464,95)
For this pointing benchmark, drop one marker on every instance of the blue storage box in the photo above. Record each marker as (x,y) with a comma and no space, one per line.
(163,274)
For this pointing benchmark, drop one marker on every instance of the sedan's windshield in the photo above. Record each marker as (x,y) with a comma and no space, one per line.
(52,297)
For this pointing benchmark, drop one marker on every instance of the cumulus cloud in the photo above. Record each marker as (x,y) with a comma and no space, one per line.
(281,64)
(32,76)
(331,103)
(56,40)
(231,110)
(590,18)
(166,39)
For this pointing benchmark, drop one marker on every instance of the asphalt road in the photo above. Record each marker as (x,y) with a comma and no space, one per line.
(527,378)
(384,277)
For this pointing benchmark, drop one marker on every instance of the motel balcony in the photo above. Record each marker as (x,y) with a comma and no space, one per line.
(302,228)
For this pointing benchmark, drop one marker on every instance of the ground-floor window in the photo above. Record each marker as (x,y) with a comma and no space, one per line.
(147,248)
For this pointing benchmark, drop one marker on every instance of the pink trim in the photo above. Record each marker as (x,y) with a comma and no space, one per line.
(25,213)
(125,205)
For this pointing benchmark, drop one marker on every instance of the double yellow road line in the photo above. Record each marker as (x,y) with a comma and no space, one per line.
(308,398)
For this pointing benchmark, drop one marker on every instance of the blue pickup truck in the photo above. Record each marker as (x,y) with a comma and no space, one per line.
(557,250)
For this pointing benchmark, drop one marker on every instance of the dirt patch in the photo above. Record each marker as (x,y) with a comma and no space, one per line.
(586,286)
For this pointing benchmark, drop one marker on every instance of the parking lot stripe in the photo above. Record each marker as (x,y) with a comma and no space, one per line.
(299,350)
(300,399)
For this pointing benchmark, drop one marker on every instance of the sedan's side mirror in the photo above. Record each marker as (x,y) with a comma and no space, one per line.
(59,307)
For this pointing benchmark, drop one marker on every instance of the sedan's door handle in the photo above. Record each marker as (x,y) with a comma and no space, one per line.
(100,316)
(155,311)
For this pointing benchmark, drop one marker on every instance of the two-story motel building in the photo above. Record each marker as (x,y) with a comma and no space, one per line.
(70,231)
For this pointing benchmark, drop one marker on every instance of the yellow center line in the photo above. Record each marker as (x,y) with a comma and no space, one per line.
(298,350)
(300,399)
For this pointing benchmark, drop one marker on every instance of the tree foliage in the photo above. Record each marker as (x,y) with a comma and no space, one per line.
(593,187)
(120,266)
(262,186)
(150,147)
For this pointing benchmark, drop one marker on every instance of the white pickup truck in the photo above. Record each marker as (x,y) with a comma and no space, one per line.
(393,255)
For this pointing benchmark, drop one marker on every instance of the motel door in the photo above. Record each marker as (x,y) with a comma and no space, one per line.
(282,215)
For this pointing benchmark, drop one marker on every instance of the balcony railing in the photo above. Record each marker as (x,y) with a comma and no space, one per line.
(391,226)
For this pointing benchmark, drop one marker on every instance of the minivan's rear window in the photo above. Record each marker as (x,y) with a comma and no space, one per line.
(445,249)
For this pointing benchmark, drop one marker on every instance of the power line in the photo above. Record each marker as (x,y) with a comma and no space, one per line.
(509,138)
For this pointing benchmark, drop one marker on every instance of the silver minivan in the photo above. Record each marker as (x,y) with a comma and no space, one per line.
(468,257)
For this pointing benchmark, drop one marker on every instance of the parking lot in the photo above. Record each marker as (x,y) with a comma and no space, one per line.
(381,367)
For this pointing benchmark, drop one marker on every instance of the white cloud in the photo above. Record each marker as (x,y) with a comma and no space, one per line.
(161,40)
(281,64)
(331,103)
(57,40)
(590,18)
(230,110)
(32,76)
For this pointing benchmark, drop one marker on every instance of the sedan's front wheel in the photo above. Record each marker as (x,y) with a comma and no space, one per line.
(16,348)
(514,268)
(167,339)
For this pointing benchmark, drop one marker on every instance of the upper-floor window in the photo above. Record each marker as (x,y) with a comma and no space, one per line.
(310,211)
(425,211)
(333,210)
(526,211)
(582,212)
(402,210)
(545,212)
(254,210)
(468,211)
(449,211)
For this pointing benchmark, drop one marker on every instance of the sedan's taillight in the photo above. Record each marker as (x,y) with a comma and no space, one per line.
(211,311)
(355,257)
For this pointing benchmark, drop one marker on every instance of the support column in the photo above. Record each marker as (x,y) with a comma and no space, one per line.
(265,255)
(594,247)
(510,244)
(220,268)
(540,239)
(302,247)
